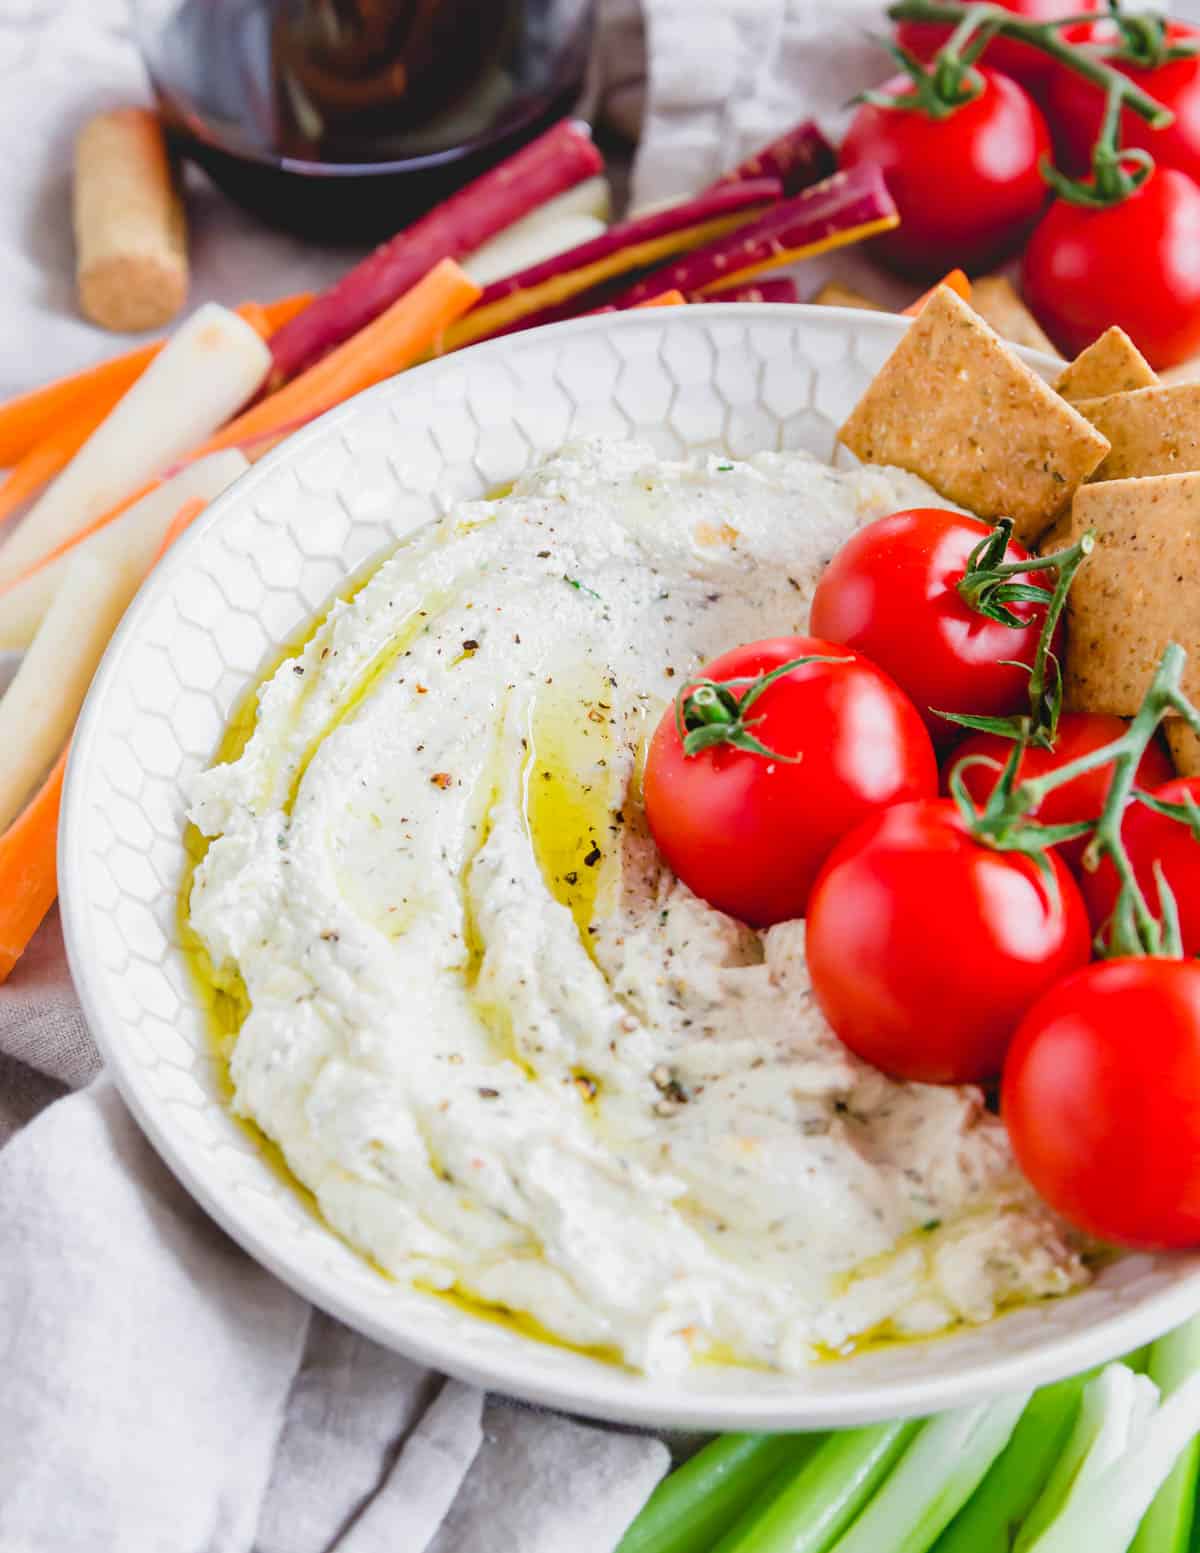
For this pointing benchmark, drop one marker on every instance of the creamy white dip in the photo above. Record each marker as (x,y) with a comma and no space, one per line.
(506,1050)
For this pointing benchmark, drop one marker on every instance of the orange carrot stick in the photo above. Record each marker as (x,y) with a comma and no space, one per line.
(46,458)
(28,877)
(27,419)
(956,280)
(178,525)
(80,535)
(664,299)
(393,341)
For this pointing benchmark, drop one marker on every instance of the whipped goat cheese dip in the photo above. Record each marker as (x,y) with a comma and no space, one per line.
(505,1049)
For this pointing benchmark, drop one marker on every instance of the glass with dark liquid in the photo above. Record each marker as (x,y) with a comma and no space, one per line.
(345,119)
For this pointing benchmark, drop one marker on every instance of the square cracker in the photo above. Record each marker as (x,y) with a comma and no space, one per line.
(1185,747)
(1136,592)
(995,299)
(1110,365)
(1153,431)
(953,404)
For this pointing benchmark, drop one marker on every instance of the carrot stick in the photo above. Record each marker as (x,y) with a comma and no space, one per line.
(28,877)
(554,162)
(279,312)
(178,525)
(780,289)
(392,342)
(798,158)
(665,299)
(86,531)
(956,280)
(46,458)
(27,419)
(847,208)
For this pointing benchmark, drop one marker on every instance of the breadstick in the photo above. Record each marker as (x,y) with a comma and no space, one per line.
(130,234)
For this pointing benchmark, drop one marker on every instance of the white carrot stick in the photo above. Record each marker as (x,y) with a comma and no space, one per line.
(39,708)
(529,242)
(208,369)
(133,538)
(561,223)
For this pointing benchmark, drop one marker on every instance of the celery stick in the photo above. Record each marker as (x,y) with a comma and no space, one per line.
(1112,1409)
(690,1509)
(1129,1445)
(934,1478)
(824,1496)
(989,1520)
(1167,1524)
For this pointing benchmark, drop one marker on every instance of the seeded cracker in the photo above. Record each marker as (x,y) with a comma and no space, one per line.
(1185,747)
(954,405)
(1110,365)
(1153,431)
(995,299)
(1138,590)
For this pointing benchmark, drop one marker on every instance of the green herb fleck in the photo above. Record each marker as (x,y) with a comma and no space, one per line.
(580,587)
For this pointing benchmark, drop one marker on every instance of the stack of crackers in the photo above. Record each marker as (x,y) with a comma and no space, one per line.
(1106,448)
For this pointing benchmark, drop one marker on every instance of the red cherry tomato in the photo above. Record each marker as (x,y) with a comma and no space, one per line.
(1076,106)
(1136,264)
(1029,65)
(967,186)
(1101,1097)
(1153,838)
(747,832)
(1079,733)
(926,948)
(891,592)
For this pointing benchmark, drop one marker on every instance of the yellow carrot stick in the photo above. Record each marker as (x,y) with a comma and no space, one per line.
(28,877)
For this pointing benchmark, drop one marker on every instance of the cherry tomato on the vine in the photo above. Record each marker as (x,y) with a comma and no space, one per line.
(891,592)
(926,947)
(966,184)
(1135,263)
(746,830)
(1101,1097)
(1079,733)
(1075,105)
(1029,65)
(1154,838)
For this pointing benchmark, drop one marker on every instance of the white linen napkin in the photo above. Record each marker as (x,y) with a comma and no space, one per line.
(158,1390)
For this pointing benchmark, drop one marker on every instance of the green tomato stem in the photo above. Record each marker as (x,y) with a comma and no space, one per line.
(986,588)
(1043,36)
(1136,929)
(708,713)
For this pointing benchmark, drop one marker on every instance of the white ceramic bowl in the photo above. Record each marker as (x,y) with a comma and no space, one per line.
(262,562)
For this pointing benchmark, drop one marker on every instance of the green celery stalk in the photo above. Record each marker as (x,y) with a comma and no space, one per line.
(695,1504)
(1112,1410)
(1121,1452)
(989,1520)
(934,1478)
(821,1500)
(1167,1524)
